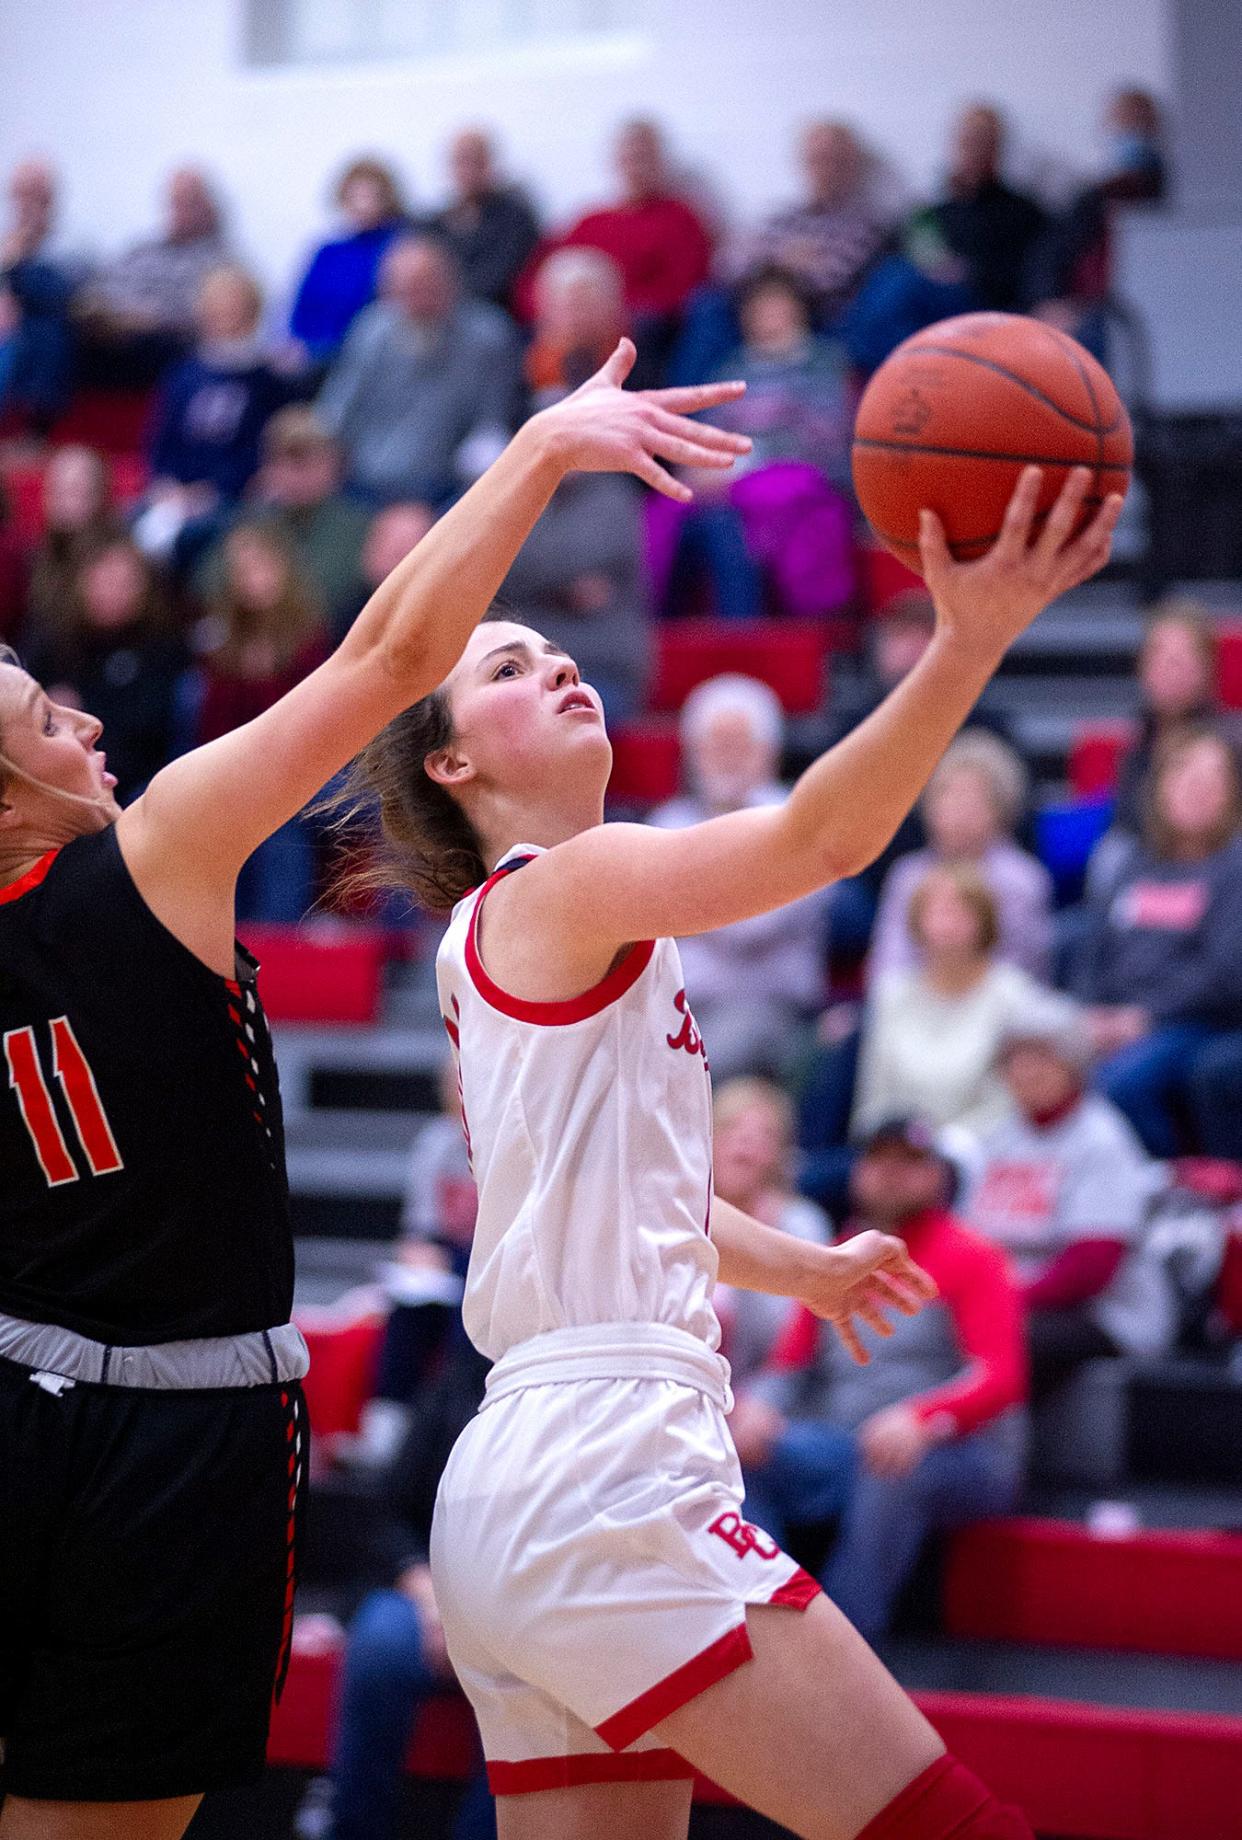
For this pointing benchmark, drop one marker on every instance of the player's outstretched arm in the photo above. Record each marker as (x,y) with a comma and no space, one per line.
(204,814)
(623,882)
(856,1282)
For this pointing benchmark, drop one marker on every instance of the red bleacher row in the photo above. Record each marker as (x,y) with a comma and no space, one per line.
(1097,1772)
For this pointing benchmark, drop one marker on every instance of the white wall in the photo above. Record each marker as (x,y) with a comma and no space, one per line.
(119,90)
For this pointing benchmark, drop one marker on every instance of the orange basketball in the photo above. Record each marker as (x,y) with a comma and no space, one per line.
(953,415)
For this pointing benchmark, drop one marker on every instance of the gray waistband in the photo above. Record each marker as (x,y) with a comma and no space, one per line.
(261,1359)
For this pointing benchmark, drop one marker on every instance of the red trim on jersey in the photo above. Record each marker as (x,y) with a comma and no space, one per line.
(797,1592)
(621,978)
(676,1689)
(13,891)
(587,1767)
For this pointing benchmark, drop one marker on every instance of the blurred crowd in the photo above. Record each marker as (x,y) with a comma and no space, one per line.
(1015,1072)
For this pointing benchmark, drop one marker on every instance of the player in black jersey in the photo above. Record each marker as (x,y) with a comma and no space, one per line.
(152,1432)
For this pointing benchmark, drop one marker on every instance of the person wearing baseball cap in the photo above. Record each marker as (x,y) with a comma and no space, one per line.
(931,1433)
(1064,1186)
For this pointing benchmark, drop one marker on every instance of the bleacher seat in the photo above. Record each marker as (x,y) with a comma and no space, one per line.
(1229,664)
(1066,832)
(344,1352)
(115,421)
(789,655)
(1095,756)
(308,975)
(646,762)
(884,577)
(1027,1580)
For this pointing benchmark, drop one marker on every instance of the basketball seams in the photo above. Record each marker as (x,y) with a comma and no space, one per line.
(978,453)
(1000,370)
(1099,424)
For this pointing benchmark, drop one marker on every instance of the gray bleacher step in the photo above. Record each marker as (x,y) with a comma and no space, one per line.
(352,1130)
(365,1174)
(329,1267)
(1160,1506)
(305,1056)
(1156,1682)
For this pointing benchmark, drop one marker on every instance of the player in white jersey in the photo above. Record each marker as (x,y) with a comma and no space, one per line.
(613,1618)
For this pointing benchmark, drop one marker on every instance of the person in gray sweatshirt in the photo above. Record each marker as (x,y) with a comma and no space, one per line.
(1159,965)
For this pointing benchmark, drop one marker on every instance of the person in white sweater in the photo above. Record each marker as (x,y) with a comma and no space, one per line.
(930,1033)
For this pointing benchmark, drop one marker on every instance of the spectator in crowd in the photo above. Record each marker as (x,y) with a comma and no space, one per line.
(731,734)
(580,314)
(1071,267)
(425,389)
(652,233)
(422,1280)
(36,346)
(1159,961)
(783,523)
(1063,1186)
(298,489)
(138,313)
(488,224)
(395,1657)
(752,1151)
(829,240)
(931,1030)
(988,225)
(972,805)
(930,1434)
(264,633)
(391,533)
(580,577)
(213,409)
(922,280)
(77,519)
(112,649)
(1177,687)
(13,573)
(341,277)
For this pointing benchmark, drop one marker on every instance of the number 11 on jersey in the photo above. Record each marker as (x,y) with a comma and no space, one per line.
(72,1069)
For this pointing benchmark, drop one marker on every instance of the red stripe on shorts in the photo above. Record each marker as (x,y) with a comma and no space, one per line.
(676,1689)
(593,1767)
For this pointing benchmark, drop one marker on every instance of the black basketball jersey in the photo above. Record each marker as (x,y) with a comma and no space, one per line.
(143,1195)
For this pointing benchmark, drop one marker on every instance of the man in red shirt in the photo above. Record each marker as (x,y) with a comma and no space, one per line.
(655,237)
(931,1433)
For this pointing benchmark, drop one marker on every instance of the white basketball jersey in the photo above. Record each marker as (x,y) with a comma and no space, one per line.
(588,1124)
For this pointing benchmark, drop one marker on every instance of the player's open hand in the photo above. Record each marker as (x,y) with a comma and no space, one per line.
(987,603)
(604,428)
(861,1281)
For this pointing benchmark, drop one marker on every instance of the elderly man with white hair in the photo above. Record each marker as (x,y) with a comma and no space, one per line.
(754,985)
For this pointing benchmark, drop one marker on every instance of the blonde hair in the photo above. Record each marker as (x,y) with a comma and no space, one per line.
(978,751)
(973,892)
(738,1096)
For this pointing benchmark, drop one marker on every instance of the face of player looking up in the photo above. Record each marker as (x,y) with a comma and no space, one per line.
(62,788)
(529,745)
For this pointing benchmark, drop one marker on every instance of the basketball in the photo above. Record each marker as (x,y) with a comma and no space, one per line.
(953,415)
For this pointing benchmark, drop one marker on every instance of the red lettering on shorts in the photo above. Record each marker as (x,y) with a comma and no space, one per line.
(744,1537)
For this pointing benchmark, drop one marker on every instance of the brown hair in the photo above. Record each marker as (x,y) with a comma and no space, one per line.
(974,893)
(382,175)
(153,613)
(7,656)
(1157,833)
(294,620)
(423,840)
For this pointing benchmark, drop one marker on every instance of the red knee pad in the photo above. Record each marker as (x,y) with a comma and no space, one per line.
(947,1802)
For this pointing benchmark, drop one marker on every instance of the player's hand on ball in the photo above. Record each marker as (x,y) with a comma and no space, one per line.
(987,603)
(860,1281)
(604,428)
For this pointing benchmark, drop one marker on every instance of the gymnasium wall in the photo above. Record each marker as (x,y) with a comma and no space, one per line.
(119,90)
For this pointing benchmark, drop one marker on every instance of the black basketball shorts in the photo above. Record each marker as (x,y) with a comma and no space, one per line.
(148,1554)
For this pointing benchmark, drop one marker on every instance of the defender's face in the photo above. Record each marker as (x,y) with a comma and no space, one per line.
(54,746)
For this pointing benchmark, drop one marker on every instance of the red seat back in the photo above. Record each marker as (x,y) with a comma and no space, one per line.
(789,655)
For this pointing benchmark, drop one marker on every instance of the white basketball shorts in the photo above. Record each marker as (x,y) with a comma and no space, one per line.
(590,1560)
